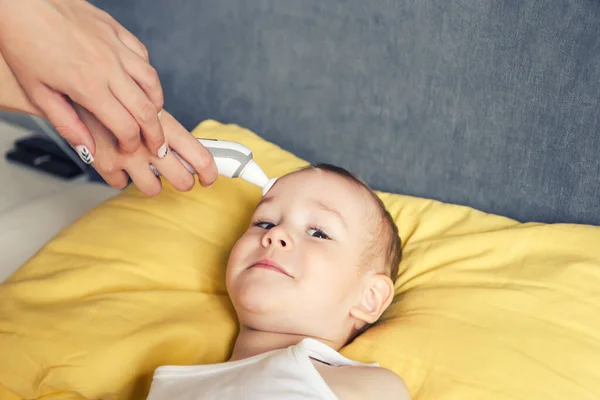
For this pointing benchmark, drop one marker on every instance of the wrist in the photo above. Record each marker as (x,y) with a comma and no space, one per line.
(12,95)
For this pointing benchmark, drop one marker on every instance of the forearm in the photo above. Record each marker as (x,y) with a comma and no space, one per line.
(12,96)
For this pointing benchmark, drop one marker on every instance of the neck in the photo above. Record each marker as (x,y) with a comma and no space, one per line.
(251,342)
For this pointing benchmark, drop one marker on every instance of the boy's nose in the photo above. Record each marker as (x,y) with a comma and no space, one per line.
(278,237)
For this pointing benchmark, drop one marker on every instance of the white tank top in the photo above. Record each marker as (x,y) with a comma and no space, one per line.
(279,374)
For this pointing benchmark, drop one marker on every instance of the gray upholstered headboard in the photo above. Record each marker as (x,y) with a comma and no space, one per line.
(488,103)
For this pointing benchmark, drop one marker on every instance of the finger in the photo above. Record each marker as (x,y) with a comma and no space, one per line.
(65,120)
(143,177)
(106,164)
(173,170)
(144,113)
(188,147)
(138,66)
(113,115)
(131,41)
(116,179)
(146,77)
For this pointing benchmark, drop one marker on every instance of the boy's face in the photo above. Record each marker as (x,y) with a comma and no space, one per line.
(297,269)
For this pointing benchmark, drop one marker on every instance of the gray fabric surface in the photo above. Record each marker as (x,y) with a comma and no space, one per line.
(489,103)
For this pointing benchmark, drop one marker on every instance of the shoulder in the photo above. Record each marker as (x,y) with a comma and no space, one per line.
(376,383)
(381,383)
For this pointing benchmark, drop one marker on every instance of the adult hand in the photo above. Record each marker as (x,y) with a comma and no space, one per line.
(116,166)
(64,51)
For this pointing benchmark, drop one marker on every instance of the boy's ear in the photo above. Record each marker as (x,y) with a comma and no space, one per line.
(376,297)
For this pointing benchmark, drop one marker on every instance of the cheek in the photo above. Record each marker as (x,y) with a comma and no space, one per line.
(330,268)
(239,254)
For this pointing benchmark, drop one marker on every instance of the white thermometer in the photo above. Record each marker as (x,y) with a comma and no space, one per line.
(233,160)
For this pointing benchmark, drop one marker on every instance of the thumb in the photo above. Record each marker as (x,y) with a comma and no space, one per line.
(65,120)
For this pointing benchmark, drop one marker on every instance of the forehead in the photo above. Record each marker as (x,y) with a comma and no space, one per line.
(324,189)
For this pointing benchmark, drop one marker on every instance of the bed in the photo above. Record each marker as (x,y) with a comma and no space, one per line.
(476,122)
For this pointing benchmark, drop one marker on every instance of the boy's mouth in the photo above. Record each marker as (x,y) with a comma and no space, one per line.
(270,265)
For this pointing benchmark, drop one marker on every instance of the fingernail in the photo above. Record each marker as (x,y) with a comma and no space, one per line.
(84,154)
(160,115)
(163,150)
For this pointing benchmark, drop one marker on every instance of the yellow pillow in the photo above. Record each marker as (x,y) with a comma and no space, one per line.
(486,307)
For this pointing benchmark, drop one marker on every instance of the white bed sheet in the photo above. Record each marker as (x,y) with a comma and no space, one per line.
(24,229)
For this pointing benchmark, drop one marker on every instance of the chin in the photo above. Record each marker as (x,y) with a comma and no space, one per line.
(259,298)
(261,291)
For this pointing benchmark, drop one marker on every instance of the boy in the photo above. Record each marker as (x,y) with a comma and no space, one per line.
(315,268)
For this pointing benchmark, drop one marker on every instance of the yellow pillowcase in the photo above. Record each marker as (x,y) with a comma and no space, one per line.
(486,307)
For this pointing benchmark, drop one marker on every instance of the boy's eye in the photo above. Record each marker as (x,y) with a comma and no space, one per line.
(264,225)
(315,232)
